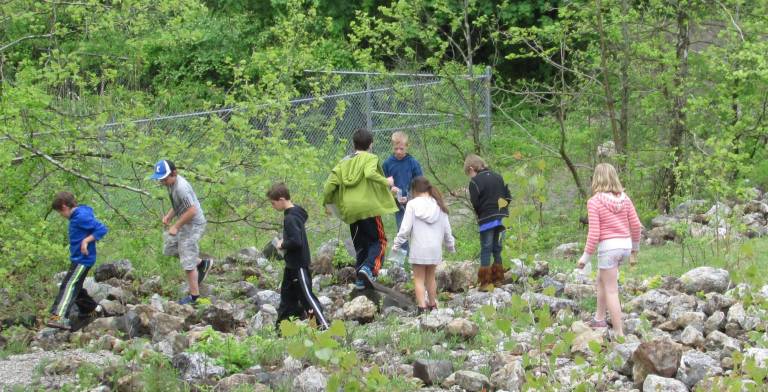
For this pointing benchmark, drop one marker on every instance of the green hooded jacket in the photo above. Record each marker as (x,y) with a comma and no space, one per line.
(358,188)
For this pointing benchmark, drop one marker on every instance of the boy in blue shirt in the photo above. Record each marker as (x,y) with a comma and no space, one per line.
(84,231)
(402,168)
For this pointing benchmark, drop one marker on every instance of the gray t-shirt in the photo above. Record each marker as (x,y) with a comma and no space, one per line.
(182,197)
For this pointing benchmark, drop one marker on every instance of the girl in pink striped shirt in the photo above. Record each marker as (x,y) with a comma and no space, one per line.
(614,231)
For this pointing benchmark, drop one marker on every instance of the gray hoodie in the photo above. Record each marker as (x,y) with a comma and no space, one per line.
(426,227)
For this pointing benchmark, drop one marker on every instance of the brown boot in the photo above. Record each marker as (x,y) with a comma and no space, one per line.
(497,274)
(484,279)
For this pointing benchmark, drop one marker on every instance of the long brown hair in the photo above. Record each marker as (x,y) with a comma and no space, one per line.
(420,184)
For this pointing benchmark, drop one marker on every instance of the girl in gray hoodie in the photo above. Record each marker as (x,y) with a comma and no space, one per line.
(426,227)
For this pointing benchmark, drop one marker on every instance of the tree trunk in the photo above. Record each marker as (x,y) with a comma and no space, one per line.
(609,101)
(679,103)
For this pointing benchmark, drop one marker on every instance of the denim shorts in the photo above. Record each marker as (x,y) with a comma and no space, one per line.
(612,258)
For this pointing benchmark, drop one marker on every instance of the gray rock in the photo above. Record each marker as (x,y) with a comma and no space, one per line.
(323,262)
(360,309)
(267,297)
(518,270)
(554,304)
(654,300)
(717,302)
(660,235)
(717,340)
(118,269)
(540,268)
(660,357)
(715,322)
(620,357)
(112,308)
(764,292)
(265,318)
(568,250)
(462,328)
(221,316)
(736,314)
(585,335)
(310,380)
(436,321)
(240,382)
(579,291)
(151,285)
(196,367)
(664,221)
(348,275)
(432,372)
(470,381)
(137,320)
(245,289)
(246,256)
(691,207)
(509,377)
(681,303)
(685,319)
(97,291)
(552,284)
(695,365)
(161,325)
(654,383)
(692,337)
(759,355)
(398,275)
(706,279)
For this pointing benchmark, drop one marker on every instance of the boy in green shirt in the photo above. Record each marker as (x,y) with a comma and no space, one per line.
(360,192)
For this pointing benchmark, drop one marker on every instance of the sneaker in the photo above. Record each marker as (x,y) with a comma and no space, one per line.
(98,311)
(58,322)
(359,284)
(188,300)
(202,269)
(595,323)
(365,274)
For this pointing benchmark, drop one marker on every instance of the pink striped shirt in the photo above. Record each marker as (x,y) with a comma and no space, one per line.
(611,216)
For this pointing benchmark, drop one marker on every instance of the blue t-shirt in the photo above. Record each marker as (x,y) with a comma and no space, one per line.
(402,171)
(83,223)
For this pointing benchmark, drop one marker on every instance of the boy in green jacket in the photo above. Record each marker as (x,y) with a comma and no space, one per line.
(360,192)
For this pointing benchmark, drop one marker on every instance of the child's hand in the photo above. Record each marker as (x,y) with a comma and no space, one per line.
(167,220)
(391,181)
(84,248)
(394,189)
(633,259)
(279,244)
(582,261)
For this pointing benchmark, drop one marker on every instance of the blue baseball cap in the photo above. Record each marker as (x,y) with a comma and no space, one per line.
(163,168)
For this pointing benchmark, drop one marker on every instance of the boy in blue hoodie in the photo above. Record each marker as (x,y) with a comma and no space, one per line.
(84,231)
(402,168)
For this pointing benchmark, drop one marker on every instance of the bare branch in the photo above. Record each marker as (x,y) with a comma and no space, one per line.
(22,39)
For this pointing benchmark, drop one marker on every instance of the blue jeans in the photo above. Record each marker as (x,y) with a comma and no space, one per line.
(490,244)
(399,221)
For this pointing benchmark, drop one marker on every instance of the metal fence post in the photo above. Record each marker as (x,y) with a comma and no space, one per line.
(487,86)
(368,108)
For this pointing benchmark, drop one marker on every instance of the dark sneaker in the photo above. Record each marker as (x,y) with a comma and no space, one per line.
(359,284)
(95,313)
(188,300)
(58,322)
(202,269)
(365,274)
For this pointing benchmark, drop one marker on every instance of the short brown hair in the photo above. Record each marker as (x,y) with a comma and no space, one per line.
(277,191)
(63,199)
(362,139)
(474,162)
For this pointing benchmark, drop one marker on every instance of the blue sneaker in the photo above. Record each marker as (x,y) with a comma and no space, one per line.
(188,300)
(365,274)
(359,284)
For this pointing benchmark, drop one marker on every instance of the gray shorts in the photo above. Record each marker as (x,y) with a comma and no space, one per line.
(612,258)
(184,245)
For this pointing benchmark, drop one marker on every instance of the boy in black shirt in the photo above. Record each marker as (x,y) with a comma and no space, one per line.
(296,297)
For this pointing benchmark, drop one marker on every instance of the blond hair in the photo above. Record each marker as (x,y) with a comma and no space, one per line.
(606,179)
(400,137)
(474,162)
